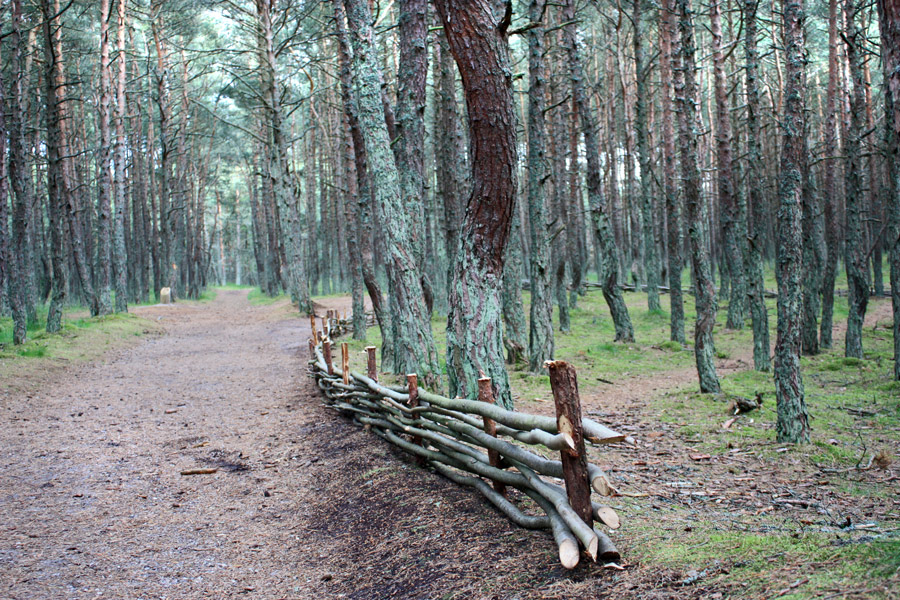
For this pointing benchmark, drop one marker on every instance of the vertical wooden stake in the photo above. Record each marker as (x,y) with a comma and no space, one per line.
(312,325)
(345,362)
(568,420)
(486,394)
(325,327)
(372,368)
(412,381)
(326,350)
(312,348)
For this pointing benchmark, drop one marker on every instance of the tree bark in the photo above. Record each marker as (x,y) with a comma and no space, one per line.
(540,332)
(688,134)
(855,253)
(476,33)
(104,169)
(416,341)
(792,423)
(119,252)
(609,278)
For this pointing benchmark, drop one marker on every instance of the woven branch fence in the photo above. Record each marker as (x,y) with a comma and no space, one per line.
(473,442)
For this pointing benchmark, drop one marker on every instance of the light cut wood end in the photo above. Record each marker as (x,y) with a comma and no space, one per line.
(593,548)
(607,516)
(569,554)
(602,486)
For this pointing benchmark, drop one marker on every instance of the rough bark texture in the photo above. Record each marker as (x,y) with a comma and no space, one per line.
(889,21)
(4,206)
(830,171)
(515,327)
(756,224)
(57,188)
(540,333)
(476,33)
(104,170)
(642,81)
(609,276)
(792,422)
(668,55)
(813,258)
(20,181)
(728,202)
(855,251)
(688,134)
(119,252)
(416,342)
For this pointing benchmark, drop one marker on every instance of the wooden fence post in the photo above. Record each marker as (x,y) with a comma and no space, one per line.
(371,367)
(326,350)
(568,420)
(345,362)
(312,348)
(486,394)
(312,326)
(325,327)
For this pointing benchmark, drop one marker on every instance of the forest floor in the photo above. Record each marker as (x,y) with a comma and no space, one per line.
(303,504)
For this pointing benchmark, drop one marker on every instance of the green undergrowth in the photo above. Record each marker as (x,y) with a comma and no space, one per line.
(257,297)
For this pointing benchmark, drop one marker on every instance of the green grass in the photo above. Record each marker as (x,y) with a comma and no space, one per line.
(257,297)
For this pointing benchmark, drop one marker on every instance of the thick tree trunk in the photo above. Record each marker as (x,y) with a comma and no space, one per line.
(54,95)
(4,207)
(889,21)
(476,33)
(642,126)
(416,341)
(540,332)
(609,278)
(20,180)
(688,135)
(793,421)
(668,74)
(119,252)
(855,252)
(104,168)
(515,328)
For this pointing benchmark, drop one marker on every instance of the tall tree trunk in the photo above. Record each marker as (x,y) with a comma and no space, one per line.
(668,74)
(20,180)
(57,190)
(104,168)
(855,254)
(889,21)
(642,126)
(728,202)
(164,200)
(540,333)
(830,167)
(609,278)
(514,324)
(410,121)
(4,208)
(793,421)
(418,353)
(688,134)
(476,33)
(756,224)
(362,214)
(119,252)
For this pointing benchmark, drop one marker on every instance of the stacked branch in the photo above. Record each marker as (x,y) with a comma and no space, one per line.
(484,446)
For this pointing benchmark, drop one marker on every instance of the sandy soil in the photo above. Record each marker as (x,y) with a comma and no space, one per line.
(303,504)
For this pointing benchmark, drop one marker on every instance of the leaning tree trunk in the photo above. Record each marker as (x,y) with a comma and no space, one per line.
(889,20)
(642,79)
(478,41)
(609,277)
(667,76)
(688,135)
(728,201)
(540,333)
(416,341)
(855,255)
(793,421)
(759,316)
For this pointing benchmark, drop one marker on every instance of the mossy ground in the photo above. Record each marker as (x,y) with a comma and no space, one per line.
(752,517)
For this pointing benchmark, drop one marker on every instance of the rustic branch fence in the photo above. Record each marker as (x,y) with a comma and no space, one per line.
(469,441)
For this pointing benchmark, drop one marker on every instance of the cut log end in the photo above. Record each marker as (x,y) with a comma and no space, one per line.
(602,486)
(569,555)
(607,516)
(570,441)
(593,548)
